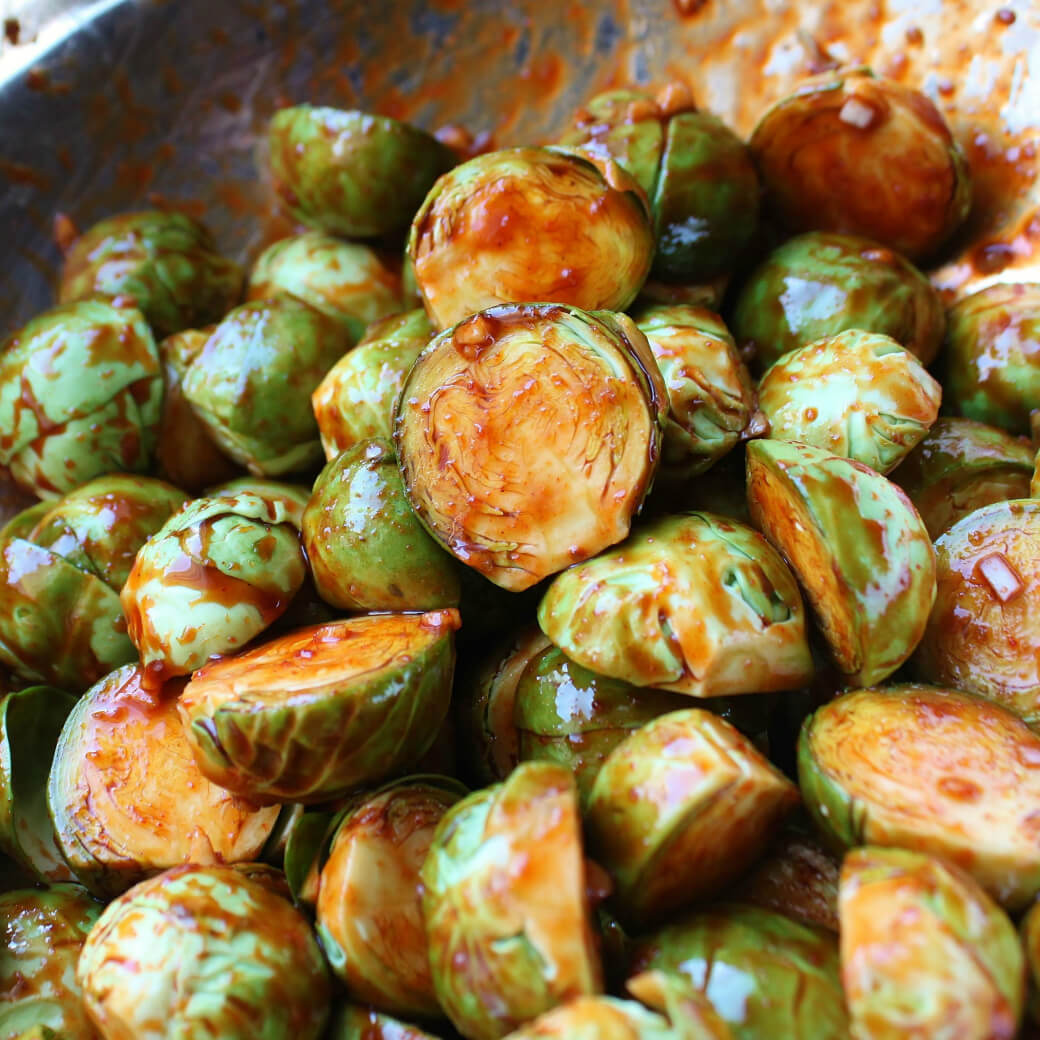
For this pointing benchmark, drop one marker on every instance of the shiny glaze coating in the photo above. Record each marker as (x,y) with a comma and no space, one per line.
(353,1022)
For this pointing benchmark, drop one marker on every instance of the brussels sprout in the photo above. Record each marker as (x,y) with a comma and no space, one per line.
(708,295)
(848,152)
(961,465)
(204,951)
(992,361)
(504,903)
(127,799)
(356,399)
(765,975)
(351,1022)
(306,848)
(530,224)
(982,634)
(696,603)
(80,395)
(856,394)
(250,384)
(1030,930)
(290,499)
(710,396)
(859,549)
(166,263)
(930,770)
(924,951)
(528,436)
(369,912)
(42,934)
(821,283)
(213,577)
(346,281)
(681,807)
(310,715)
(351,173)
(366,548)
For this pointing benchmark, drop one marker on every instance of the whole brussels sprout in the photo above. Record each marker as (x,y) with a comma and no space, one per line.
(250,384)
(290,499)
(505,906)
(930,770)
(166,263)
(696,603)
(346,281)
(204,951)
(924,951)
(822,283)
(528,436)
(348,172)
(80,395)
(352,1022)
(708,295)
(856,394)
(366,548)
(310,715)
(848,152)
(992,358)
(530,224)
(41,935)
(127,798)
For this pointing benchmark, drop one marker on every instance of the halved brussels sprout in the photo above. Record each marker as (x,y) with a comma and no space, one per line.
(348,172)
(1030,932)
(848,152)
(930,770)
(166,263)
(529,224)
(859,549)
(696,603)
(924,951)
(369,910)
(310,715)
(41,935)
(681,807)
(528,436)
(213,577)
(366,548)
(822,283)
(204,951)
(992,363)
(856,394)
(127,798)
(505,905)
(80,395)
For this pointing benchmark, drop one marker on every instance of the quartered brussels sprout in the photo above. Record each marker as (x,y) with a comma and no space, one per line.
(41,935)
(250,383)
(931,770)
(366,548)
(127,798)
(696,603)
(856,394)
(351,173)
(80,395)
(1030,932)
(765,975)
(166,263)
(849,152)
(681,807)
(347,281)
(528,436)
(710,396)
(369,910)
(859,549)
(213,577)
(505,905)
(992,357)
(310,715)
(356,399)
(925,952)
(530,224)
(961,465)
(822,283)
(352,1022)
(204,951)
(983,635)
